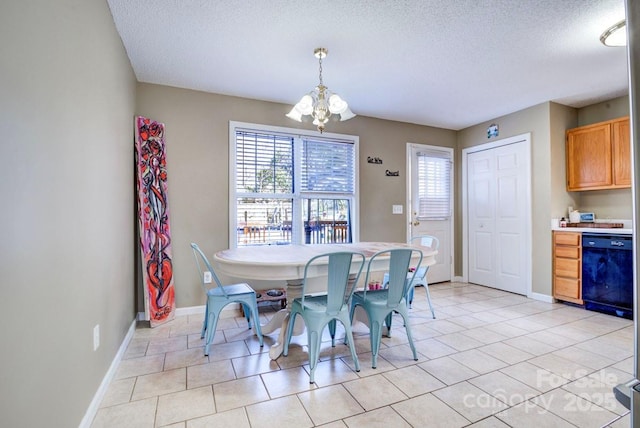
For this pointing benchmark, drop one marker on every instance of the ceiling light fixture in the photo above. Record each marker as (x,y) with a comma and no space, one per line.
(320,103)
(616,35)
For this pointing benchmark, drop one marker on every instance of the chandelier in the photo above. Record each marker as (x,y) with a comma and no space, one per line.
(616,35)
(320,103)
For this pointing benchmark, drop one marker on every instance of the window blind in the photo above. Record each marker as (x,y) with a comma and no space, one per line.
(264,163)
(328,167)
(434,185)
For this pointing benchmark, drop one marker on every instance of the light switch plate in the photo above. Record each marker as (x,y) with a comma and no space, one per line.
(207,277)
(397,209)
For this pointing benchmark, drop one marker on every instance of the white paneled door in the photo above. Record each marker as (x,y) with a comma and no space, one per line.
(498,210)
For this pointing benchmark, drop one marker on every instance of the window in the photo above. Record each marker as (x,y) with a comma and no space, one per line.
(434,185)
(287,187)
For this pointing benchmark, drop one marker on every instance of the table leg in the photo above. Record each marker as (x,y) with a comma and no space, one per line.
(275,322)
(281,320)
(276,349)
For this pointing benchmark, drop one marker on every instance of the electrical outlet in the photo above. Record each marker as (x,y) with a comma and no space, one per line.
(207,277)
(396,209)
(96,336)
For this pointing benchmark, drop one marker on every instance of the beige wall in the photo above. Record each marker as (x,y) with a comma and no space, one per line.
(535,120)
(197,138)
(66,223)
(607,204)
(561,119)
(606,110)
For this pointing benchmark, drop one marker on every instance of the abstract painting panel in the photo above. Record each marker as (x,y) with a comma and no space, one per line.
(153,221)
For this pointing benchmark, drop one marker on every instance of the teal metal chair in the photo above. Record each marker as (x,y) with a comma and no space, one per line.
(420,277)
(380,305)
(220,296)
(320,310)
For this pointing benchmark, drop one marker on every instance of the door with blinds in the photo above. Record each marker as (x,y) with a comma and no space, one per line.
(431,203)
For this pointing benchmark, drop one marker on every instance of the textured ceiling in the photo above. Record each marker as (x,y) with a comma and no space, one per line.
(447,63)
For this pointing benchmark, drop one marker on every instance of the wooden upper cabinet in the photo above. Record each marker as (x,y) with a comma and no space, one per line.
(621,153)
(599,156)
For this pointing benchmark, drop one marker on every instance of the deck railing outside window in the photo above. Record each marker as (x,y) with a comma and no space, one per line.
(315,232)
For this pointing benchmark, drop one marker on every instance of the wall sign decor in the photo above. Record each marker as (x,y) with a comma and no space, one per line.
(392,173)
(492,130)
(374,160)
(153,221)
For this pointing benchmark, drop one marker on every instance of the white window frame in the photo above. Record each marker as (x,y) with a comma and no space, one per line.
(296,238)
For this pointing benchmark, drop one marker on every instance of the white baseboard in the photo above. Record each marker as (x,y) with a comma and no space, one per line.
(104,385)
(192,310)
(196,310)
(535,296)
(541,297)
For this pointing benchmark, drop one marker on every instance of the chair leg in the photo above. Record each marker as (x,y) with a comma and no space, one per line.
(407,327)
(313,338)
(375,336)
(258,327)
(204,323)
(332,332)
(212,322)
(387,321)
(352,345)
(289,333)
(410,296)
(247,313)
(426,288)
(352,309)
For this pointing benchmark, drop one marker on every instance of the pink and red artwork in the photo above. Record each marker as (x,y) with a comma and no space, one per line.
(153,221)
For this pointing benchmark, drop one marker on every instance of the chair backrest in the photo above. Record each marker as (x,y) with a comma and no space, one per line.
(200,257)
(428,241)
(339,267)
(399,260)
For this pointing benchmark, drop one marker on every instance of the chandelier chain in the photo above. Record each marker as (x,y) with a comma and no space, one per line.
(320,62)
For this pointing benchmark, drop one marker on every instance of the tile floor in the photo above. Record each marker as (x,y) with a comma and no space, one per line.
(490,359)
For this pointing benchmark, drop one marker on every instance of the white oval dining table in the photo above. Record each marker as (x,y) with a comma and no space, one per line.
(287,263)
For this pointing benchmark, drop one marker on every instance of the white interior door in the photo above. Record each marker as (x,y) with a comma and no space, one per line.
(430,202)
(481,218)
(498,209)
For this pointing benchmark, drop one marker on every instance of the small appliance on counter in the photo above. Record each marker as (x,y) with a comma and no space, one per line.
(587,217)
(574,215)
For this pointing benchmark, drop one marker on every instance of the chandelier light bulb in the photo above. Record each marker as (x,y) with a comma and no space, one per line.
(337,105)
(305,106)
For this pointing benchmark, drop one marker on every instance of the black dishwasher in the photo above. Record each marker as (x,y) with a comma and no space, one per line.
(607,274)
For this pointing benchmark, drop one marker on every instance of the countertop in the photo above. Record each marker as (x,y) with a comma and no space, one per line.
(625,230)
